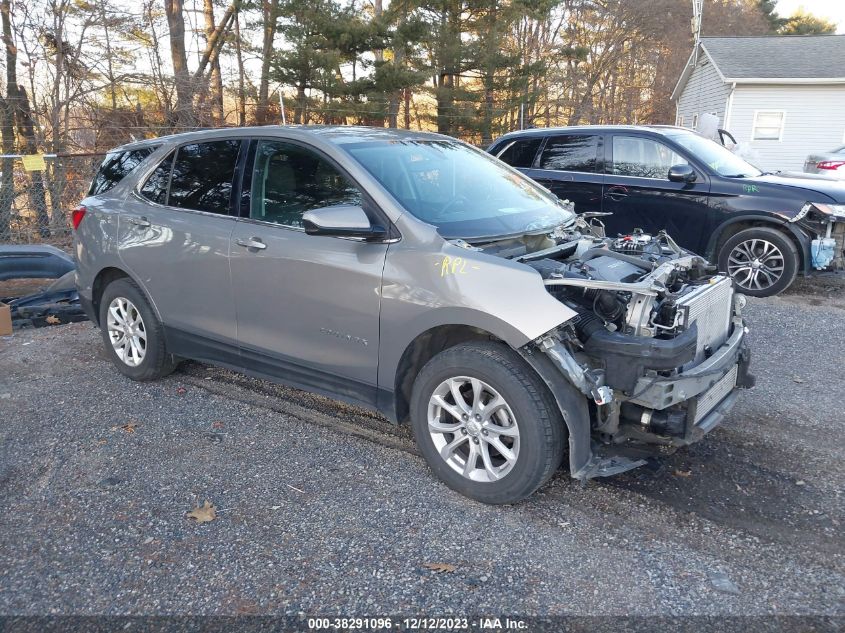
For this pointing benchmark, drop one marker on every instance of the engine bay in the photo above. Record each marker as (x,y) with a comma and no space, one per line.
(631,284)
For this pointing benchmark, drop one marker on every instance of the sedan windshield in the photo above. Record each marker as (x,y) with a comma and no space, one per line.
(463,192)
(719,159)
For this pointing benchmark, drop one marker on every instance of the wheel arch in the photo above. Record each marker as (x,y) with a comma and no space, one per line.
(425,346)
(731,227)
(107,275)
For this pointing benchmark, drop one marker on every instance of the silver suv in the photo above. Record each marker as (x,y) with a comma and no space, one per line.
(415,275)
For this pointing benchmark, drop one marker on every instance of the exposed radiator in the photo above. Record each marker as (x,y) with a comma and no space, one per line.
(710,308)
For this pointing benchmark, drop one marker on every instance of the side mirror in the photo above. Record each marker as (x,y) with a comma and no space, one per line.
(342,221)
(682,173)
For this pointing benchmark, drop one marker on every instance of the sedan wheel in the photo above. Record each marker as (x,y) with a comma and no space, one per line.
(756,264)
(473,428)
(126,331)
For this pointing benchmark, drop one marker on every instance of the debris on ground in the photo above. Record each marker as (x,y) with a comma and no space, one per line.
(721,582)
(203,513)
(440,568)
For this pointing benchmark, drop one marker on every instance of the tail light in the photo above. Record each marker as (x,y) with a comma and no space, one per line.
(76,216)
(830,164)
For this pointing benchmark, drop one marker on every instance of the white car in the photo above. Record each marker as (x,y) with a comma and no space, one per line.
(830,164)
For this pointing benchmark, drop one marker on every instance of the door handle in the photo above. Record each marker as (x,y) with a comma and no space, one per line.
(142,221)
(252,242)
(616,193)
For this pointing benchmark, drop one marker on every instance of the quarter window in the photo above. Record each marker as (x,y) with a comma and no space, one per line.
(643,158)
(571,153)
(768,126)
(115,167)
(202,176)
(521,153)
(155,187)
(288,180)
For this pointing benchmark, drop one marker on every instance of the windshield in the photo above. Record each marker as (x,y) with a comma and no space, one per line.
(719,159)
(463,192)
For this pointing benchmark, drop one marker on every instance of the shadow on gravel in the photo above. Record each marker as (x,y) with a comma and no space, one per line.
(735,485)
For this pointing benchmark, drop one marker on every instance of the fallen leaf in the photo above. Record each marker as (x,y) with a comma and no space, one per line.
(52,320)
(129,427)
(181,390)
(216,425)
(203,513)
(682,473)
(440,568)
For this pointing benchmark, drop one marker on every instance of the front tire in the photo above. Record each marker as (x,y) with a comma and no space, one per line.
(132,334)
(485,423)
(762,261)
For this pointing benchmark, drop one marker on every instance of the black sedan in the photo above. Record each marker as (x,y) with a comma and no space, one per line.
(761,228)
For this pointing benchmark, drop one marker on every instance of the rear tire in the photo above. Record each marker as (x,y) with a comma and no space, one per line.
(132,334)
(762,261)
(503,440)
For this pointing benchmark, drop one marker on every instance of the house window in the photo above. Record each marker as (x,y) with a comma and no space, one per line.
(768,125)
(680,121)
(695,121)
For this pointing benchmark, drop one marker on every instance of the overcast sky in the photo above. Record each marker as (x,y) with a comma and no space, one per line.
(833,10)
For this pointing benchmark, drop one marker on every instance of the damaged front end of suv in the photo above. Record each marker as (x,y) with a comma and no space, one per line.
(658,346)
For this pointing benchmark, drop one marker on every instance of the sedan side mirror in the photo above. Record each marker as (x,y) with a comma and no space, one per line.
(342,221)
(682,173)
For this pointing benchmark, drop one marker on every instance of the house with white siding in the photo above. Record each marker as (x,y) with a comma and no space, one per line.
(783,96)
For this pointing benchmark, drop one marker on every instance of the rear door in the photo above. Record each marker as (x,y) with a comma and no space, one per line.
(173,236)
(569,165)
(307,305)
(639,194)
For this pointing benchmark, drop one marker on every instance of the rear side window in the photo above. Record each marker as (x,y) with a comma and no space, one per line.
(116,166)
(571,153)
(521,153)
(202,176)
(155,187)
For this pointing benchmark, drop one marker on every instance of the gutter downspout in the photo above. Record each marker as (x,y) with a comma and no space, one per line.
(729,108)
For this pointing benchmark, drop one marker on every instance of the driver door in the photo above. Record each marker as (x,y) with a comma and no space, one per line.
(307,306)
(639,194)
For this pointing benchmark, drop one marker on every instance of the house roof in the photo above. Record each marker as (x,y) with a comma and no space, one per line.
(774,59)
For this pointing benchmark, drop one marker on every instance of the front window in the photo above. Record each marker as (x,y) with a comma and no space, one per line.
(463,192)
(643,158)
(289,180)
(722,161)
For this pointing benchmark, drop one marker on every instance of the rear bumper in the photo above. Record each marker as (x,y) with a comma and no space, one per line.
(88,307)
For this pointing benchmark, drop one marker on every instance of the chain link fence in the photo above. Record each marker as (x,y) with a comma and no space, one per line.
(38,194)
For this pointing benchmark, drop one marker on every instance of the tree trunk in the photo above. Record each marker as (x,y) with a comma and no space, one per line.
(184,88)
(215,78)
(7,121)
(270,13)
(241,80)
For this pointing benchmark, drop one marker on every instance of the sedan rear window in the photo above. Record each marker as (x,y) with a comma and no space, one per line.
(116,166)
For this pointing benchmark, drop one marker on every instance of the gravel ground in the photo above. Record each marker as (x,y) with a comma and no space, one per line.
(323,508)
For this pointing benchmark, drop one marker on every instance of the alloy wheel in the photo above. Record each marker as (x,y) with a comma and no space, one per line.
(756,264)
(127,332)
(473,429)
